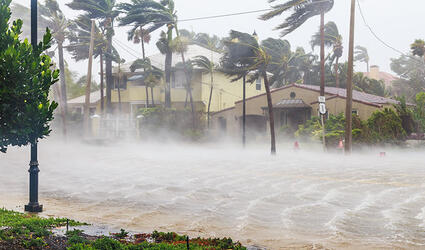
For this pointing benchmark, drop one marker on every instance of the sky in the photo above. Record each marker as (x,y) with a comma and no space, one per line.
(395,22)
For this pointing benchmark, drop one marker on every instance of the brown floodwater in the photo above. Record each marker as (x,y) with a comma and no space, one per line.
(304,199)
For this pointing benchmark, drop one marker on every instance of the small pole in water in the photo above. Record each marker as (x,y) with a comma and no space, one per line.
(382,154)
(187,242)
(67,225)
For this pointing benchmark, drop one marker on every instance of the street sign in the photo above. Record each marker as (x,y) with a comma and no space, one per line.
(322,108)
(322,99)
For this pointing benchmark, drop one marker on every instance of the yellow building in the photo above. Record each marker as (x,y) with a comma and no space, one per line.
(293,105)
(133,92)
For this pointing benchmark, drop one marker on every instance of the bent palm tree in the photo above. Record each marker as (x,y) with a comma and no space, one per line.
(209,67)
(248,55)
(361,55)
(332,39)
(105,11)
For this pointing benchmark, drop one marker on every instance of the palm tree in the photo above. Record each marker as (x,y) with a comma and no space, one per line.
(332,39)
(151,75)
(58,24)
(418,48)
(79,38)
(286,66)
(209,67)
(302,11)
(244,51)
(152,15)
(361,54)
(105,11)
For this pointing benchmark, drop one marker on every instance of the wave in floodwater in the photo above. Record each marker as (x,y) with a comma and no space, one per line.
(221,190)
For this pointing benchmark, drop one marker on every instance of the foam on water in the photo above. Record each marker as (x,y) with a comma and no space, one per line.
(222,190)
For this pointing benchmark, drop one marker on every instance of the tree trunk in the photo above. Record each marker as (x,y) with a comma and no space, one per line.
(168,63)
(108,69)
(337,72)
(322,69)
(152,98)
(102,101)
(62,78)
(89,78)
(209,100)
(271,115)
(119,87)
(147,95)
(189,89)
(367,65)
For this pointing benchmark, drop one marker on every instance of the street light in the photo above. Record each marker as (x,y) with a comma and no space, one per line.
(33,205)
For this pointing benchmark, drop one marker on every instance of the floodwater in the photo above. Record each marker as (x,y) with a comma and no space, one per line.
(294,200)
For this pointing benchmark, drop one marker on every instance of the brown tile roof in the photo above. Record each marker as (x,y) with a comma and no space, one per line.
(358,96)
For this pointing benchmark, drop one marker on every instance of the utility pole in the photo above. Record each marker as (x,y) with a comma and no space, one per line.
(322,72)
(89,73)
(33,205)
(244,112)
(349,99)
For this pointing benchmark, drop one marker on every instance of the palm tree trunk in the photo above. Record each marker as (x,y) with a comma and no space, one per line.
(367,65)
(102,101)
(271,115)
(153,100)
(322,68)
(189,89)
(209,100)
(337,72)
(168,63)
(244,111)
(108,69)
(147,95)
(62,78)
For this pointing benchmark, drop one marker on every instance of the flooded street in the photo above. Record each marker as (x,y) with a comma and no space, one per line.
(298,199)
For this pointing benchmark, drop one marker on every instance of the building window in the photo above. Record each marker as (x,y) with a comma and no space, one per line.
(122,82)
(355,112)
(293,95)
(258,84)
(178,80)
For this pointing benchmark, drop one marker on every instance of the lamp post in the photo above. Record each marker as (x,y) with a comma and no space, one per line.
(33,205)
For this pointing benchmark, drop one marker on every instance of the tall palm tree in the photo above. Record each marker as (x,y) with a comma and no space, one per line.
(332,39)
(106,12)
(245,51)
(302,10)
(209,67)
(58,24)
(153,15)
(79,38)
(361,55)
(418,48)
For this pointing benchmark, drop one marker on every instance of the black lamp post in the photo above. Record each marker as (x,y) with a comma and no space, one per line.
(33,205)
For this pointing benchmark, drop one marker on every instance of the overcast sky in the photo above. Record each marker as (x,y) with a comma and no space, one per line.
(396,22)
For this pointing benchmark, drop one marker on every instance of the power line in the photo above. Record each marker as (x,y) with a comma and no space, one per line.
(377,37)
(208,17)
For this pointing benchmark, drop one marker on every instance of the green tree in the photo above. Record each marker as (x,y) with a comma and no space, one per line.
(419,112)
(153,15)
(26,76)
(207,66)
(386,126)
(361,54)
(332,39)
(151,75)
(411,73)
(418,48)
(249,55)
(106,12)
(58,24)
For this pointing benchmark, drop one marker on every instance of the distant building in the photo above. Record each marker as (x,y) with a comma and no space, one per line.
(387,78)
(293,105)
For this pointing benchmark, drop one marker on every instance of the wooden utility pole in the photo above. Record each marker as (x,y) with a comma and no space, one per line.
(102,101)
(322,70)
(89,72)
(349,99)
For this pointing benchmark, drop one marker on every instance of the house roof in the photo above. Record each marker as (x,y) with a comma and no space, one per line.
(358,96)
(291,103)
(94,98)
